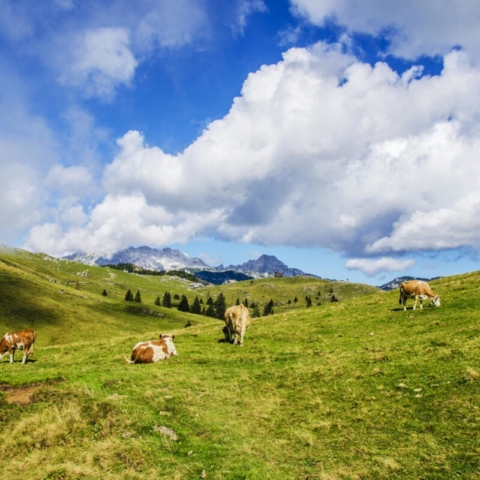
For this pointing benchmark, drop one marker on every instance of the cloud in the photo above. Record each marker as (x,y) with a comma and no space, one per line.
(371,267)
(456,226)
(28,149)
(97,47)
(319,150)
(243,9)
(102,61)
(430,27)
(119,221)
(71,181)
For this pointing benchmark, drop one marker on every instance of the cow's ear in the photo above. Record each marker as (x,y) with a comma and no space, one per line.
(173,337)
(160,336)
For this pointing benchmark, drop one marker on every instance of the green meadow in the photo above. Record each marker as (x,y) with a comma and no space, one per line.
(354,389)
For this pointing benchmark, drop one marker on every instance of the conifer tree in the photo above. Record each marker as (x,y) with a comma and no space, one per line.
(167,300)
(129,296)
(138,297)
(196,307)
(210,312)
(157,301)
(183,305)
(220,306)
(246,302)
(255,312)
(268,308)
(104,293)
(237,302)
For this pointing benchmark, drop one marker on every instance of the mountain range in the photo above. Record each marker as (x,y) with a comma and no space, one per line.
(170,259)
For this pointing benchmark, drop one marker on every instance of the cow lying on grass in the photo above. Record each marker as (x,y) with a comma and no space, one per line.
(153,350)
(21,340)
(417,289)
(237,319)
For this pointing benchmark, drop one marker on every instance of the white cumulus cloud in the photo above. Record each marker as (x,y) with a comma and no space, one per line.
(102,61)
(372,267)
(429,27)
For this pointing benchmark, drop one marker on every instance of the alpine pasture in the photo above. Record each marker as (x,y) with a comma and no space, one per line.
(354,389)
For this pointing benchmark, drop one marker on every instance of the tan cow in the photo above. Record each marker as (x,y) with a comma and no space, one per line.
(237,319)
(21,340)
(153,350)
(417,289)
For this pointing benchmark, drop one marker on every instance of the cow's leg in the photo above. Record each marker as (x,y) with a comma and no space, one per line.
(12,354)
(25,358)
(242,334)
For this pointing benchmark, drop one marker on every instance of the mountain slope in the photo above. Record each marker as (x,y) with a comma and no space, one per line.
(266,264)
(395,283)
(145,257)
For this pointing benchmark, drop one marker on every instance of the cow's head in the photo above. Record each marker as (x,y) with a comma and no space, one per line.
(435,300)
(168,339)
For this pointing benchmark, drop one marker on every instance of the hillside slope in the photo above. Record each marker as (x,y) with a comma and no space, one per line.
(347,390)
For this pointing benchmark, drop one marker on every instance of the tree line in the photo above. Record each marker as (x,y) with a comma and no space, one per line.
(210,308)
(215,308)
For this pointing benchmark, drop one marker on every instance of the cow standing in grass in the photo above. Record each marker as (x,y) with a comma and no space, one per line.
(21,340)
(153,350)
(237,319)
(417,289)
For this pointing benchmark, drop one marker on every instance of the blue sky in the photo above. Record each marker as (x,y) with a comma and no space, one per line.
(341,138)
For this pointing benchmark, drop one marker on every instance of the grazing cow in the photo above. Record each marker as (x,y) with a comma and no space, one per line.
(21,340)
(417,289)
(153,350)
(237,319)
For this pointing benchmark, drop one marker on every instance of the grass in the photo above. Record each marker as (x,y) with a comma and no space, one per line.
(358,389)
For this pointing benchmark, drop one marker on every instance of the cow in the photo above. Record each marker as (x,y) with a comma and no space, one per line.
(153,350)
(417,289)
(237,319)
(21,340)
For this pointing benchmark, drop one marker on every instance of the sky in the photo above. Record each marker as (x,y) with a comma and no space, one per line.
(340,136)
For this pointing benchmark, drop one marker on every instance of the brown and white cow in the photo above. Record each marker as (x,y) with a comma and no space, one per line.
(153,350)
(21,340)
(237,319)
(417,289)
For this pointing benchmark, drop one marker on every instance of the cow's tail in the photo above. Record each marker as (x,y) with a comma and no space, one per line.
(126,360)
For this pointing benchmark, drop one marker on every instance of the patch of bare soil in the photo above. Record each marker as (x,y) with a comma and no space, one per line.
(21,396)
(24,395)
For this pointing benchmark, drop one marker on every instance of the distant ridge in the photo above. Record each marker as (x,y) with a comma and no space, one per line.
(267,265)
(217,278)
(144,257)
(169,259)
(395,283)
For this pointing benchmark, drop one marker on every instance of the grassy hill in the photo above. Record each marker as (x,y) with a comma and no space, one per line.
(357,389)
